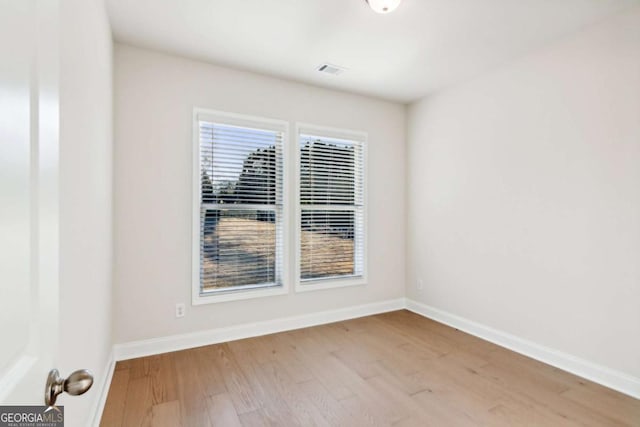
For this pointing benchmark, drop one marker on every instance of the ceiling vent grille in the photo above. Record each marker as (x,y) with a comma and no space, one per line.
(330,69)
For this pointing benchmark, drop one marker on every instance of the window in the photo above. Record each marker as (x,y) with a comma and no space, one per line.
(238,201)
(331,210)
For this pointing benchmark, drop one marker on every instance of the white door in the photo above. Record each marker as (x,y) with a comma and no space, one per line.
(28,197)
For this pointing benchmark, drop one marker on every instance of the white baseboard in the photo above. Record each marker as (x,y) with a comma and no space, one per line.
(600,374)
(616,380)
(153,346)
(103,388)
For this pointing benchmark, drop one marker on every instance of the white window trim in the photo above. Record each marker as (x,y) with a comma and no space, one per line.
(250,121)
(339,282)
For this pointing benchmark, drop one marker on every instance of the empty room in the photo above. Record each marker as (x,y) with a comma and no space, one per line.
(320,213)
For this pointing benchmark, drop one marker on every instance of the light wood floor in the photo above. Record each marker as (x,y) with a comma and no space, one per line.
(391,369)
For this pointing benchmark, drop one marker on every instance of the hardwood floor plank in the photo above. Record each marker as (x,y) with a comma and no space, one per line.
(190,389)
(617,406)
(166,414)
(222,412)
(288,358)
(137,409)
(522,387)
(123,364)
(209,371)
(392,369)
(513,411)
(357,406)
(116,399)
(142,366)
(328,406)
(235,381)
(163,374)
(315,357)
(253,419)
(281,382)
(428,412)
(266,392)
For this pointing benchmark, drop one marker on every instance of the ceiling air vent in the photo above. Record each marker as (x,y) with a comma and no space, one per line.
(330,69)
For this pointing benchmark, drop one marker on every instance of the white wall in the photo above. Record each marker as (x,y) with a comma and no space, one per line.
(523,201)
(85,198)
(154,99)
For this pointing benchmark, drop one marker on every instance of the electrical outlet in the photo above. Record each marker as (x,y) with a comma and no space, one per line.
(419,284)
(180,309)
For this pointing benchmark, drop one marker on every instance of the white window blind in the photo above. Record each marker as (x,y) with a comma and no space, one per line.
(332,208)
(241,205)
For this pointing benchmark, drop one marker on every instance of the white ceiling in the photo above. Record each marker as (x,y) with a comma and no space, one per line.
(423,46)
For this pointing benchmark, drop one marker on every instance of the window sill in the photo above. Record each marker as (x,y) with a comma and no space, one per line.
(320,284)
(213,297)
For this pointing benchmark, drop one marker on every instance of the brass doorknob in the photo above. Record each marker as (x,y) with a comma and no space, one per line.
(76,384)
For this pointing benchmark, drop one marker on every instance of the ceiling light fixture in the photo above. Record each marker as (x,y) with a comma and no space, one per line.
(383,6)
